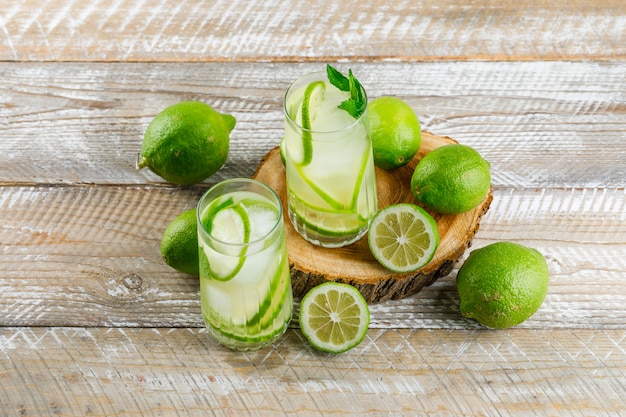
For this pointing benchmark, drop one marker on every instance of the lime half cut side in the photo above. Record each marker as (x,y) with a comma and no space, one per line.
(334,317)
(403,237)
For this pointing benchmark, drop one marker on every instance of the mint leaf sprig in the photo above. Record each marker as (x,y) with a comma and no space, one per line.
(357,102)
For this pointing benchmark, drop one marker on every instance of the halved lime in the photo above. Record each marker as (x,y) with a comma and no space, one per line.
(403,237)
(334,317)
(229,225)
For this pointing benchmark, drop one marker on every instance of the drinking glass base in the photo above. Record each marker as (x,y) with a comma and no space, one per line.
(319,239)
(240,344)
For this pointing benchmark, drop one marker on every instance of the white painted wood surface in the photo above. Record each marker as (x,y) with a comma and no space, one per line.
(305,30)
(531,119)
(121,371)
(93,323)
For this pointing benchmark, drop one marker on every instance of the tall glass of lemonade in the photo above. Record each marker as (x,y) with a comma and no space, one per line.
(331,183)
(245,286)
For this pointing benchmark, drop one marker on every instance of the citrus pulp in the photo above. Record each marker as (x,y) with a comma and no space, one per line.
(403,237)
(334,317)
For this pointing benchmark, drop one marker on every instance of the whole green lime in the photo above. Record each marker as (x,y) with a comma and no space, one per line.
(186,143)
(451,179)
(395,130)
(179,244)
(503,284)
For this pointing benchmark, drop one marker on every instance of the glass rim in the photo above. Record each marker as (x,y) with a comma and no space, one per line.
(323,76)
(224,183)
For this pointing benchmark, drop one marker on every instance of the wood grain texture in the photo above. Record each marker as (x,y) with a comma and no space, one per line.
(89,256)
(540,124)
(393,372)
(222,30)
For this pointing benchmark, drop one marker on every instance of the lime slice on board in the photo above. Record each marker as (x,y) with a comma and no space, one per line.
(334,317)
(403,237)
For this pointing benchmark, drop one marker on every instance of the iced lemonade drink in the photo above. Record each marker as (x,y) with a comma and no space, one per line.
(245,286)
(331,183)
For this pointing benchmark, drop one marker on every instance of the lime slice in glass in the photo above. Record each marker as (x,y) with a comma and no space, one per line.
(262,216)
(313,95)
(229,225)
(403,237)
(334,317)
(243,334)
(329,222)
(283,153)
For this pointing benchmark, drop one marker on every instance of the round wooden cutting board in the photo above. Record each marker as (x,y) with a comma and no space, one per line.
(354,264)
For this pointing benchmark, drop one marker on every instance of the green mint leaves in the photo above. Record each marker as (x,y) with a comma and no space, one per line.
(355,105)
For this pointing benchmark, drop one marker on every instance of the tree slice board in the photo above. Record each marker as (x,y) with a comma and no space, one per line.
(354,264)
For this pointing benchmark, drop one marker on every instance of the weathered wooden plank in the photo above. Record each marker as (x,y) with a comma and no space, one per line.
(222,30)
(541,124)
(77,254)
(89,256)
(77,372)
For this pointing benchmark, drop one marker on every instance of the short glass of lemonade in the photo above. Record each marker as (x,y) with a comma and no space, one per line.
(245,286)
(331,182)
